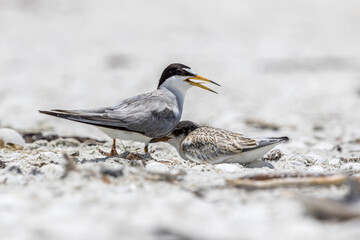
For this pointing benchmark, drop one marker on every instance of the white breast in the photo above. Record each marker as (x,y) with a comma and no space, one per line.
(125,135)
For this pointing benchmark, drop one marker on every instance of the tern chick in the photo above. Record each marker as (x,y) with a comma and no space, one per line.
(215,145)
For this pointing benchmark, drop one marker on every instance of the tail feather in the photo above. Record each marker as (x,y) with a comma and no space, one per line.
(56,113)
(95,119)
(80,117)
(62,111)
(283,139)
(263,142)
(270,141)
(81,111)
(70,115)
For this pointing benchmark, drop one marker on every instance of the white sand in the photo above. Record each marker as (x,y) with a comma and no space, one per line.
(292,64)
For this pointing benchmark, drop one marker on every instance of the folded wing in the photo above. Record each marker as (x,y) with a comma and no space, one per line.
(213,145)
(148,114)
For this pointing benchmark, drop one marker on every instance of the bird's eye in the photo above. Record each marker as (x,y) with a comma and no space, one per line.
(178,72)
(179,132)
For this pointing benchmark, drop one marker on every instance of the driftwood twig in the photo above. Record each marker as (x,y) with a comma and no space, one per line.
(292,180)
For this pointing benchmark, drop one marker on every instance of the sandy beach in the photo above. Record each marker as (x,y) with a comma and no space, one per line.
(286,69)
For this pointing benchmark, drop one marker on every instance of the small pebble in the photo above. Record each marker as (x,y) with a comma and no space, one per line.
(68,142)
(41,143)
(197,168)
(298,163)
(334,161)
(48,155)
(324,146)
(156,167)
(260,164)
(15,169)
(112,172)
(273,155)
(2,164)
(14,156)
(298,160)
(350,167)
(35,171)
(316,169)
(227,167)
(52,170)
(315,158)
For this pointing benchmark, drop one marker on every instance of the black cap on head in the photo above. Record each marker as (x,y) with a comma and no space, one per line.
(172,70)
(185,127)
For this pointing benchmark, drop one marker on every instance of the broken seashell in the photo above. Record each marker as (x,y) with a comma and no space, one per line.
(10,136)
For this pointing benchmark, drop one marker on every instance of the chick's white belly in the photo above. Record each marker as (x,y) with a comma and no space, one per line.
(243,157)
(249,156)
(125,135)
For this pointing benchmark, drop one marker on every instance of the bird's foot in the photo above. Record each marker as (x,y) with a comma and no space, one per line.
(147,153)
(112,153)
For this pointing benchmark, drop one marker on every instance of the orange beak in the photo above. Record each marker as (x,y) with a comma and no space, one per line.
(198,77)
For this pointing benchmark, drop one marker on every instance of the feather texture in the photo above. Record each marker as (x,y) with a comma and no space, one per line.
(215,145)
(153,114)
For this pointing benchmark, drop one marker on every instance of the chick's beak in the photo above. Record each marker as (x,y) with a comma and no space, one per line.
(199,84)
(161,139)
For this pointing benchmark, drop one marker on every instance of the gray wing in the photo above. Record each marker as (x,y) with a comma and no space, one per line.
(209,144)
(151,114)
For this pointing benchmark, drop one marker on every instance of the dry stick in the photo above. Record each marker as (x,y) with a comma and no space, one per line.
(289,182)
(169,177)
(70,165)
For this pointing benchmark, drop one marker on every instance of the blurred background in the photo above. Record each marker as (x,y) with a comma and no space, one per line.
(287,68)
(293,63)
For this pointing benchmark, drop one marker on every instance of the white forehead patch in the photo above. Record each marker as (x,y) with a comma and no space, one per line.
(189,70)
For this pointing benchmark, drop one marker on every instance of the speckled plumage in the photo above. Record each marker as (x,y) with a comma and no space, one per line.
(215,145)
(207,143)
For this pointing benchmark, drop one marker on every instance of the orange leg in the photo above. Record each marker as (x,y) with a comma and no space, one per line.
(113,151)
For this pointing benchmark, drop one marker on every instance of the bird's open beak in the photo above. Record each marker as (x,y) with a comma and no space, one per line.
(199,84)
(161,139)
